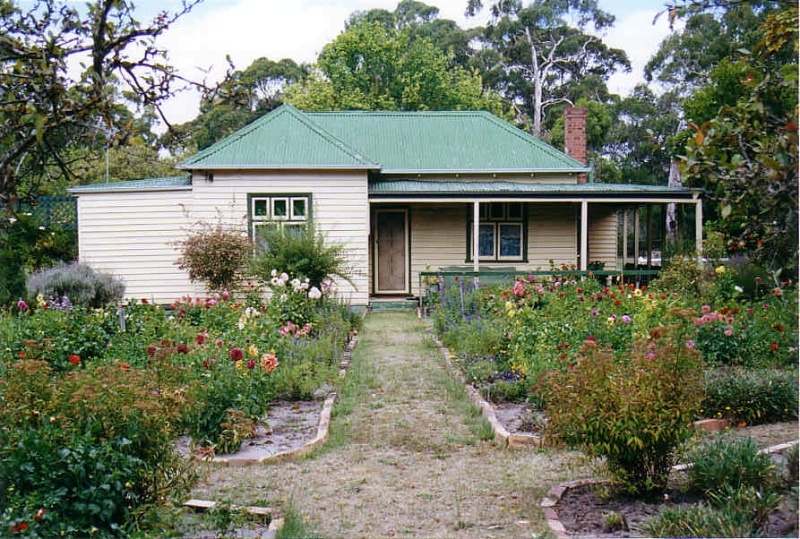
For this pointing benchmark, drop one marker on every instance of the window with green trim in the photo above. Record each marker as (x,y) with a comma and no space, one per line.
(288,212)
(502,232)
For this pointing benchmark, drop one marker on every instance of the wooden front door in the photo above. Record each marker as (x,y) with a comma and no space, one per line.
(391,252)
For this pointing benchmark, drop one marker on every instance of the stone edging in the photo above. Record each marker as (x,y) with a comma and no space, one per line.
(323,427)
(554,494)
(502,437)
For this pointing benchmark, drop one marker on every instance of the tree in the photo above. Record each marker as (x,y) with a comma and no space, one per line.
(63,73)
(537,58)
(372,67)
(241,98)
(643,138)
(714,30)
(746,154)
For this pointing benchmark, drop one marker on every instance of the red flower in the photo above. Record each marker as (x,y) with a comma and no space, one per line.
(617,302)
(74,359)
(39,514)
(144,301)
(21,527)
(201,338)
(22,354)
(773,346)
(183,349)
(779,327)
(237,354)
(251,364)
(125,367)
(151,350)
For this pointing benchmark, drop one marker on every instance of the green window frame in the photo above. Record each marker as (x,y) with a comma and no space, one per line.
(503,230)
(287,211)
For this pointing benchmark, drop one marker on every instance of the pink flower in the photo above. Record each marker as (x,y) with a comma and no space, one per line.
(690,344)
(728,332)
(705,309)
(225,295)
(519,289)
(22,305)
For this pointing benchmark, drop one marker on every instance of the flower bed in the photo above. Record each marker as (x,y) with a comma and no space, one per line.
(619,370)
(93,399)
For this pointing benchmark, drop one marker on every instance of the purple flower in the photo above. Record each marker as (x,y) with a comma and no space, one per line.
(22,305)
(626,318)
(594,312)
(690,344)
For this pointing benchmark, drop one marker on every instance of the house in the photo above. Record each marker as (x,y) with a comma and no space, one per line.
(403,191)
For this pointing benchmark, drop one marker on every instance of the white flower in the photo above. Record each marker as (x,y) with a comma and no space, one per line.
(304,286)
(314,293)
(284,277)
(738,288)
(273,273)
(274,281)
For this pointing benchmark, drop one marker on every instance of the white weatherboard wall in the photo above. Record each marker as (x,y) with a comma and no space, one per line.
(339,209)
(603,235)
(131,235)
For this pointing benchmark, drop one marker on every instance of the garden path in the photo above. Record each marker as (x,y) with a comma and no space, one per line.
(407,456)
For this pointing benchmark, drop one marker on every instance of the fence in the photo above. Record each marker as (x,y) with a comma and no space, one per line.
(54,211)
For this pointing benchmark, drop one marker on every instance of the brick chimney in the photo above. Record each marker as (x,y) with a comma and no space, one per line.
(575,136)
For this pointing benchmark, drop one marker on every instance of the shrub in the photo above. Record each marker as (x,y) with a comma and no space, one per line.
(215,256)
(305,254)
(78,282)
(723,466)
(751,396)
(634,411)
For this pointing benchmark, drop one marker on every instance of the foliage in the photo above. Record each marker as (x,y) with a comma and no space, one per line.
(634,411)
(25,246)
(79,283)
(244,96)
(64,336)
(303,254)
(92,407)
(722,466)
(751,397)
(89,450)
(746,155)
(372,67)
(215,256)
(63,70)
(538,59)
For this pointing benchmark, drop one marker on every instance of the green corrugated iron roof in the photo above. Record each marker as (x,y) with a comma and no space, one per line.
(284,138)
(392,142)
(135,185)
(398,188)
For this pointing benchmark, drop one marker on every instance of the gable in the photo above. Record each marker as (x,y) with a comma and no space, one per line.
(284,138)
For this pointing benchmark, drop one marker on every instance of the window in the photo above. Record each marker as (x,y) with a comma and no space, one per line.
(502,232)
(288,212)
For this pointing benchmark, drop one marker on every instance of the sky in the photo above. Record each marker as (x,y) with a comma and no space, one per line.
(298,29)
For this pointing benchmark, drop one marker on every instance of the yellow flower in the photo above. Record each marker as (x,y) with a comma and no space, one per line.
(509,305)
(253,351)
(637,292)
(511,313)
(720,270)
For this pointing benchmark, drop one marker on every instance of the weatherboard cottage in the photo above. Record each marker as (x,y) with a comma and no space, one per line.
(403,191)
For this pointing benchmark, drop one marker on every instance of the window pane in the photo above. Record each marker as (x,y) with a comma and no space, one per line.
(258,234)
(293,229)
(486,241)
(280,208)
(260,208)
(510,241)
(497,211)
(514,210)
(298,208)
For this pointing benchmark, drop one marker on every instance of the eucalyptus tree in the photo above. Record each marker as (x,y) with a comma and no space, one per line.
(537,55)
(64,71)
(370,66)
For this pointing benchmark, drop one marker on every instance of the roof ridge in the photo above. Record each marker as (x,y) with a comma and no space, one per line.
(285,108)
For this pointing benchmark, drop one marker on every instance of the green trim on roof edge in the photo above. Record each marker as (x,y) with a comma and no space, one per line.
(170,182)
